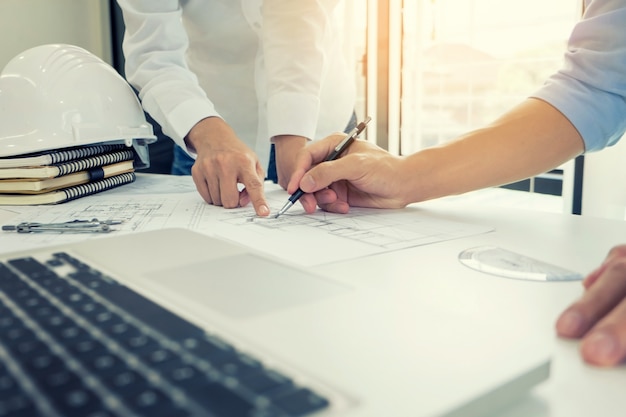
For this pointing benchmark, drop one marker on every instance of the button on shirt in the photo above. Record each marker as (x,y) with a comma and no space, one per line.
(267,67)
(590,89)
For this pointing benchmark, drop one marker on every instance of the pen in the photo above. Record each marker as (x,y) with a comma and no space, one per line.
(339,149)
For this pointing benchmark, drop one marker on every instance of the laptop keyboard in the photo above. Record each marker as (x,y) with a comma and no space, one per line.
(74,342)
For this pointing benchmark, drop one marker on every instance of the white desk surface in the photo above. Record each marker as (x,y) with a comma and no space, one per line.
(575,242)
(578,243)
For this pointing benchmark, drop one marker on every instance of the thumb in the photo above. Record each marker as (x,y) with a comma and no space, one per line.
(326,173)
(310,155)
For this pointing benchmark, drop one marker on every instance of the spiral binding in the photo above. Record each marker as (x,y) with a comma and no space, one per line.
(72,193)
(84,152)
(94,161)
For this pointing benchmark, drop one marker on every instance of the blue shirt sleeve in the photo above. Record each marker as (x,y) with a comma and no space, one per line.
(590,88)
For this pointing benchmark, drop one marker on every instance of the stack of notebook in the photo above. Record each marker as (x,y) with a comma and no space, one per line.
(62,175)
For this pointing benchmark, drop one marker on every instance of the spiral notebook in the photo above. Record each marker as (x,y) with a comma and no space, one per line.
(57,156)
(69,167)
(44,185)
(67,194)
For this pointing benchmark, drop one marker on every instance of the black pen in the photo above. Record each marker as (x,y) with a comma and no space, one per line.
(339,149)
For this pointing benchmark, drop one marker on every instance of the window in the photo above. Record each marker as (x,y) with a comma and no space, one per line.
(465,62)
(440,68)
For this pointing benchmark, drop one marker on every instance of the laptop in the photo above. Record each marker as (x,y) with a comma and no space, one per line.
(176,323)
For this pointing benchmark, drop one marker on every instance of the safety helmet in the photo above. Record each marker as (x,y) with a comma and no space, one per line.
(58,96)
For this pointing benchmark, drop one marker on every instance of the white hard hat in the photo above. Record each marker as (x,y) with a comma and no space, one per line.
(58,96)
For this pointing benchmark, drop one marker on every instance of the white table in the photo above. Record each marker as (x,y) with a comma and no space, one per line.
(575,242)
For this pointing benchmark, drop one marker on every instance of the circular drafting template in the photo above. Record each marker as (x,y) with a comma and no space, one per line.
(504,263)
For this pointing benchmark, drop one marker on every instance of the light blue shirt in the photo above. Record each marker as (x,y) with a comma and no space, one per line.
(590,88)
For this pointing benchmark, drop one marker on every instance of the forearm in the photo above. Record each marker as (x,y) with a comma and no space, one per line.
(530,139)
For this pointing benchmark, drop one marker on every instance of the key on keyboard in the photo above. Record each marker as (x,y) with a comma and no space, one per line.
(74,342)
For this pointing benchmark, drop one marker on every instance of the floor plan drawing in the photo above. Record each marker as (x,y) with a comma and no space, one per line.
(293,237)
(389,230)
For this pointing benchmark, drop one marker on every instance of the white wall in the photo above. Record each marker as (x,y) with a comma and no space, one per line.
(604,183)
(28,23)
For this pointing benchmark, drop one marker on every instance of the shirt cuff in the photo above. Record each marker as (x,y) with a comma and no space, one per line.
(185,116)
(292,114)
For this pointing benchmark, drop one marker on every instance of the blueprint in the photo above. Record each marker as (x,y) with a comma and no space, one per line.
(163,201)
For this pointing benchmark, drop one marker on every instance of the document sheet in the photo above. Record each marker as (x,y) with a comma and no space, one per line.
(162,201)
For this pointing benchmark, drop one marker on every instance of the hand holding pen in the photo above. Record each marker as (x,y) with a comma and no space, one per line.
(364,176)
(336,152)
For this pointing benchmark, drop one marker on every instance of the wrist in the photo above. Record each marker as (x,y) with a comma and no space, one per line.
(288,143)
(444,170)
(417,177)
(204,130)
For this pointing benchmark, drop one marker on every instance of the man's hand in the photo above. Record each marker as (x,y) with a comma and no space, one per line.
(223,161)
(364,176)
(599,317)
(287,147)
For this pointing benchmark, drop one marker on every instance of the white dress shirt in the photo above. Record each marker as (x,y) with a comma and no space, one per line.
(267,67)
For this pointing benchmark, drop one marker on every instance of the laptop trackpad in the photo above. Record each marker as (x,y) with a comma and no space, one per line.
(245,285)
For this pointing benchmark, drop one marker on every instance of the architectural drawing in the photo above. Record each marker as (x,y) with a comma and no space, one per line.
(295,236)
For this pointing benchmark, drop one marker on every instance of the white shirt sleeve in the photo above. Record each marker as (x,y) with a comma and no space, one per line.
(154,47)
(268,67)
(296,39)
